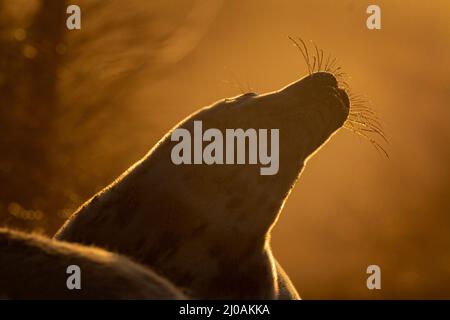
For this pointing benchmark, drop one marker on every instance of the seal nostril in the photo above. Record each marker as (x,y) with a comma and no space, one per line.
(344,97)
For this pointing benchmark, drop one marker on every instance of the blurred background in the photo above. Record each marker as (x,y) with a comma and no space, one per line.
(77,108)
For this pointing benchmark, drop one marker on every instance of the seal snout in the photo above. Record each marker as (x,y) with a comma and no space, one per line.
(328,81)
(324,78)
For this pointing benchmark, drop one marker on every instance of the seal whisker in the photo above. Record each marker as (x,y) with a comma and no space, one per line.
(363,110)
(366,121)
(369,116)
(340,74)
(372,131)
(319,62)
(358,97)
(360,101)
(366,118)
(363,121)
(368,127)
(377,146)
(337,70)
(344,84)
(327,62)
(307,54)
(360,104)
(332,64)
(316,61)
(303,51)
(321,57)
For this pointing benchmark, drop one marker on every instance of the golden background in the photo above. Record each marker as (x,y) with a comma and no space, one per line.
(79,107)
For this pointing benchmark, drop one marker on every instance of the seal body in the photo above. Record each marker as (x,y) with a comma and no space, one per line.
(34,267)
(207,228)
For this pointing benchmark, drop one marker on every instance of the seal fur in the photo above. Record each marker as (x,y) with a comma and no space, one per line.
(207,227)
(34,267)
